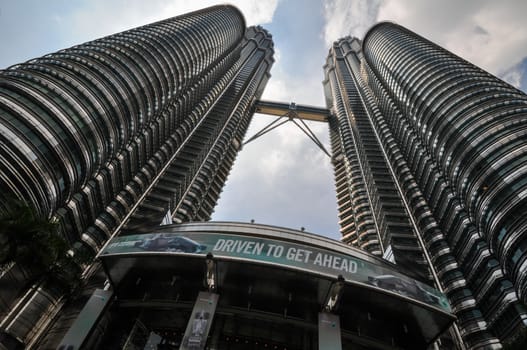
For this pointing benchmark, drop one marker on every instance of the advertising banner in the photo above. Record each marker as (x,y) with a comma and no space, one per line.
(285,253)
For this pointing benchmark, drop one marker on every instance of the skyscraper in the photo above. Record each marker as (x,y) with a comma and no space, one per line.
(430,167)
(113,137)
(101,123)
(115,133)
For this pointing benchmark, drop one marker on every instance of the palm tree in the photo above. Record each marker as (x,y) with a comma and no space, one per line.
(28,239)
(520,343)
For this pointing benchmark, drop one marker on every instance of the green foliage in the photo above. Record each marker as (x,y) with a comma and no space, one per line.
(520,343)
(82,255)
(28,239)
(65,273)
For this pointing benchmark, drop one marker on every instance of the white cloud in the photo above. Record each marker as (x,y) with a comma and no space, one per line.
(281,179)
(303,90)
(487,33)
(348,17)
(514,76)
(257,11)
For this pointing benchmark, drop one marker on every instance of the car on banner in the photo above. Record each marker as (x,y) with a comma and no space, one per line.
(171,244)
(404,287)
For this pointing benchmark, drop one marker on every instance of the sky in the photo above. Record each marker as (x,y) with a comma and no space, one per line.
(282,178)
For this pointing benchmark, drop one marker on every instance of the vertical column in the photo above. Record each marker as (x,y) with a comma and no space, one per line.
(87,320)
(329,337)
(198,326)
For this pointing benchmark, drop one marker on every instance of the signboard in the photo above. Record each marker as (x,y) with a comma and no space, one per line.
(284,253)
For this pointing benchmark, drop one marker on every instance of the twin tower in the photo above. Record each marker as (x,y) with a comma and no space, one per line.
(111,137)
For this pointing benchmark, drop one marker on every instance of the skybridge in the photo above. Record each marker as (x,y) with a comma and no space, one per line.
(291,112)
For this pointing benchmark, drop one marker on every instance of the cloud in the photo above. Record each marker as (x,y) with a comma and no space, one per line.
(257,11)
(480,30)
(349,17)
(304,90)
(514,76)
(517,75)
(487,33)
(281,179)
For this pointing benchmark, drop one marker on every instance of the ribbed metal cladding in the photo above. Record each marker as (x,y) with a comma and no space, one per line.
(82,125)
(450,276)
(455,136)
(356,216)
(112,134)
(191,185)
(369,198)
